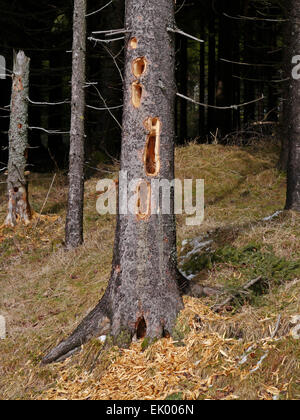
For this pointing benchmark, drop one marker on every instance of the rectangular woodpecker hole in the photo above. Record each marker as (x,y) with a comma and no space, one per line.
(151,154)
(143,200)
(139,66)
(137,91)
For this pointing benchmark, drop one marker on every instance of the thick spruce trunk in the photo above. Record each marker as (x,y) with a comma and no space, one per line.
(17,183)
(74,222)
(293,176)
(143,295)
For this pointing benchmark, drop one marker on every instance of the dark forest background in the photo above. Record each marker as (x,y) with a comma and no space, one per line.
(240,60)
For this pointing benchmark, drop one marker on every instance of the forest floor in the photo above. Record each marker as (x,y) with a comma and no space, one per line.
(248,351)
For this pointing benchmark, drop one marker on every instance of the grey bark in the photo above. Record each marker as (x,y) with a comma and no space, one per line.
(293,173)
(74,222)
(143,296)
(17,182)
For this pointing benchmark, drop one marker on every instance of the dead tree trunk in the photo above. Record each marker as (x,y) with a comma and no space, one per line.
(74,222)
(17,182)
(143,296)
(293,173)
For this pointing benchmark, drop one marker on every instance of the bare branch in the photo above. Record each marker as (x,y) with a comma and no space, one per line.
(107,108)
(254,18)
(105,41)
(115,61)
(247,64)
(43,206)
(276,327)
(88,84)
(220,107)
(48,103)
(261,80)
(104,109)
(99,10)
(178,10)
(178,31)
(49,131)
(111,32)
(227,301)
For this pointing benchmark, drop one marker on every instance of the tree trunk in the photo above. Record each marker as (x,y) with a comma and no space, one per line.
(211,73)
(74,223)
(17,183)
(293,176)
(143,295)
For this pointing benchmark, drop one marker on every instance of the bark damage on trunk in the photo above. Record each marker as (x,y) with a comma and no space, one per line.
(143,297)
(17,182)
(74,223)
(293,172)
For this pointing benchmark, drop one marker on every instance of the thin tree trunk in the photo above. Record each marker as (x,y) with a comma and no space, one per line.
(211,73)
(74,223)
(17,183)
(143,295)
(293,176)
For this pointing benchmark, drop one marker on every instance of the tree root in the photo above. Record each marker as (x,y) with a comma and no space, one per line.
(99,322)
(95,324)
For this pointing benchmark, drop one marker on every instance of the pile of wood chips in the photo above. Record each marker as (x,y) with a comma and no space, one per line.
(190,368)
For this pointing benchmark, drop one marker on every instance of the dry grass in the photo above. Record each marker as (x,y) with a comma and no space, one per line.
(45,292)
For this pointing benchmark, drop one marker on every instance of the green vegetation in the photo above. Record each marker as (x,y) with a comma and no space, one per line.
(250,262)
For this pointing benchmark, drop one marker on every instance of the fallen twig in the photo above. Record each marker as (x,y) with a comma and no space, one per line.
(228,300)
(39,217)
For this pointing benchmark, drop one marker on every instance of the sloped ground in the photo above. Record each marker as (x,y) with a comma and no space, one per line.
(245,352)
